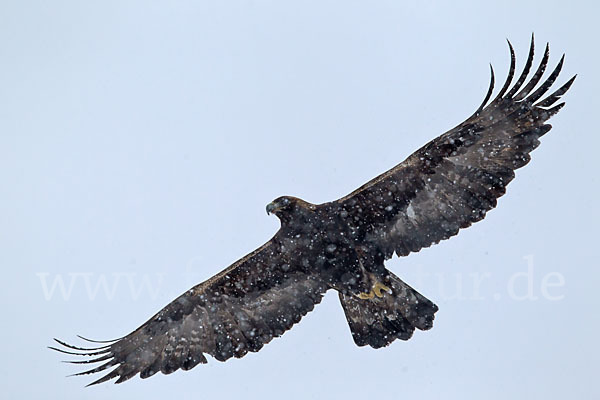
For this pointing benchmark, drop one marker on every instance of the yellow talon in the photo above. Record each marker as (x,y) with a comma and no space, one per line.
(378,288)
(366,296)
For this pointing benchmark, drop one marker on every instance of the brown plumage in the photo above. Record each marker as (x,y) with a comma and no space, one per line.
(448,184)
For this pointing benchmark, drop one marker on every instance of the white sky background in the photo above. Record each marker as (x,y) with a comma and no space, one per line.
(142,141)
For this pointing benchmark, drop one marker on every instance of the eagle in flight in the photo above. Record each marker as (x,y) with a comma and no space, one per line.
(446,185)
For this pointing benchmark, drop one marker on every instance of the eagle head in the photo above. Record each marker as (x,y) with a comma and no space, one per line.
(286,207)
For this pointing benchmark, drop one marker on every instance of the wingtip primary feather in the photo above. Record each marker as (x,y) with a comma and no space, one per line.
(556,95)
(97,369)
(94,360)
(72,353)
(533,97)
(488,95)
(79,348)
(98,341)
(511,72)
(552,111)
(81,351)
(537,76)
(111,375)
(526,69)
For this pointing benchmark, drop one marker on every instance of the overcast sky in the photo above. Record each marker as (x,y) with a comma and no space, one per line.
(140,142)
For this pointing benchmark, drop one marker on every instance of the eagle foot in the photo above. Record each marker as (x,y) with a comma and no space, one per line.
(377,289)
(366,296)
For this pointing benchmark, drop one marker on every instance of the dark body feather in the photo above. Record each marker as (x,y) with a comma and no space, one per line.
(448,184)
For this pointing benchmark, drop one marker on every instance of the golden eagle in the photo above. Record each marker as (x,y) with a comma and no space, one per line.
(446,185)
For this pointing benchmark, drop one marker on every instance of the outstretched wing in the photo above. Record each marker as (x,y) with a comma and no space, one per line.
(235,312)
(452,181)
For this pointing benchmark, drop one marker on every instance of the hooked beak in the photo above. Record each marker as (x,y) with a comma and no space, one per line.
(270,208)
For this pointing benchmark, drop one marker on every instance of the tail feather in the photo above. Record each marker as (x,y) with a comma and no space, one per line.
(377,322)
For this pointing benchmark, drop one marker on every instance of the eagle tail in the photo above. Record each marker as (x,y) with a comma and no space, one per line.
(379,321)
